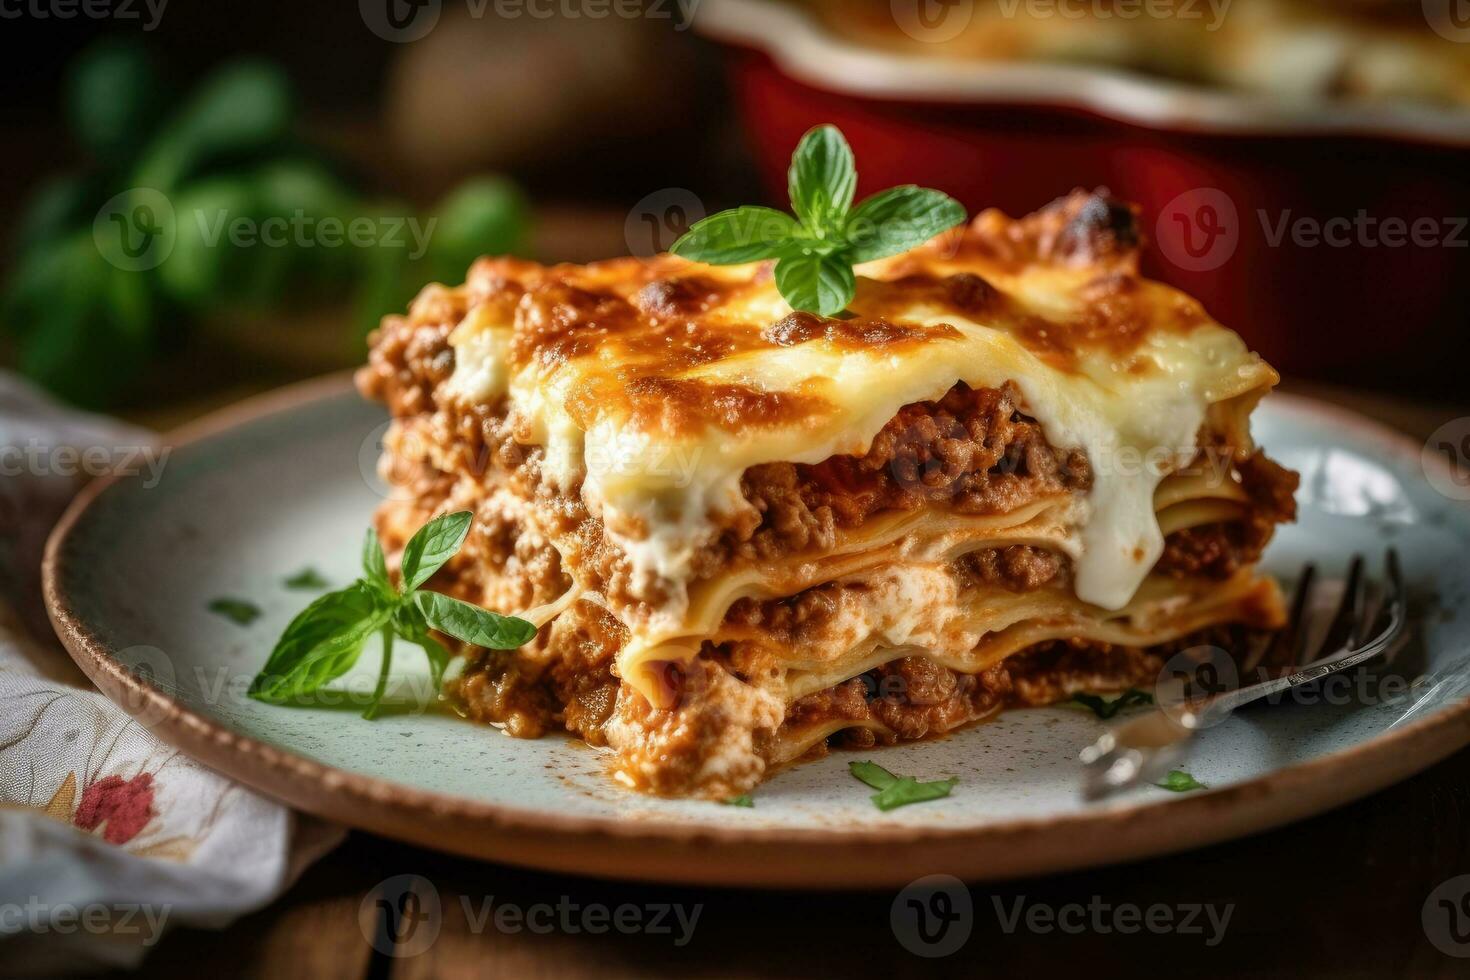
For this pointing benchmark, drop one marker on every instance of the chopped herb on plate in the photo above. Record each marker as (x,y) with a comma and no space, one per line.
(741,800)
(1108,707)
(896,791)
(1179,781)
(238,611)
(307,580)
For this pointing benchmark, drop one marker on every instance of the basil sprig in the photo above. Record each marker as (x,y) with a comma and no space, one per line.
(324,641)
(816,250)
(896,791)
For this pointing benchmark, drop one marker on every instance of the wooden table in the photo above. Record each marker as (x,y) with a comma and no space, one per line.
(1340,894)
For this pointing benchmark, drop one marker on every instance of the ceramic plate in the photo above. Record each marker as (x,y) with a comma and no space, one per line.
(255,494)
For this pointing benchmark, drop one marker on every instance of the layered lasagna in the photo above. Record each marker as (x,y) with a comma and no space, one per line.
(1014,470)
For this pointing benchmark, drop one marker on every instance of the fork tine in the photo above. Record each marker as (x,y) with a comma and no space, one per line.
(1282,651)
(1395,578)
(1347,625)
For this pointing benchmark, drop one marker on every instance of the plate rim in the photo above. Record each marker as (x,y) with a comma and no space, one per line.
(667,850)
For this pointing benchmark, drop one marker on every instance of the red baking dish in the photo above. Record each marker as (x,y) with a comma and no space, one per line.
(1333,237)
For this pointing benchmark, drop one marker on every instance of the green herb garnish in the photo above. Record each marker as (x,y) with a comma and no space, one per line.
(816,250)
(1179,781)
(741,800)
(896,791)
(115,264)
(307,580)
(324,640)
(1107,708)
(238,611)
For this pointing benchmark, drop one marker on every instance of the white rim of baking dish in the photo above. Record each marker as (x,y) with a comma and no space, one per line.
(806,51)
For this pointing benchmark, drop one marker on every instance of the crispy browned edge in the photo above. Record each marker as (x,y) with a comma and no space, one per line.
(678,851)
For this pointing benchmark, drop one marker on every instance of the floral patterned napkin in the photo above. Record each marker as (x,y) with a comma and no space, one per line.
(107,835)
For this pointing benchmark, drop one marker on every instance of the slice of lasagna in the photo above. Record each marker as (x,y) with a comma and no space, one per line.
(1017,471)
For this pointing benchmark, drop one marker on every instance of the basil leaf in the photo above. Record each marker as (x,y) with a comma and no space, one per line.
(238,611)
(1104,708)
(82,326)
(872,774)
(472,624)
(242,107)
(409,623)
(909,790)
(321,643)
(817,283)
(431,546)
(112,97)
(374,567)
(1179,781)
(746,234)
(308,579)
(59,206)
(482,216)
(896,791)
(822,179)
(897,220)
(741,800)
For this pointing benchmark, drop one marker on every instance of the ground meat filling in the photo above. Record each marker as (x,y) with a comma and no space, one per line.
(1220,550)
(972,451)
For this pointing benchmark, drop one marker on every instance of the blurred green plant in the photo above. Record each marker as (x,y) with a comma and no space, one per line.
(117,263)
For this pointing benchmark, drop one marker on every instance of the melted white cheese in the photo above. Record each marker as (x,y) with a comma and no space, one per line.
(1136,417)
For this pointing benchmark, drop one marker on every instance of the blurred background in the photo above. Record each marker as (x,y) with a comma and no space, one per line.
(205,200)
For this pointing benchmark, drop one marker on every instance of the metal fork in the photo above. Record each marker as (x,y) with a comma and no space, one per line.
(1144,749)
